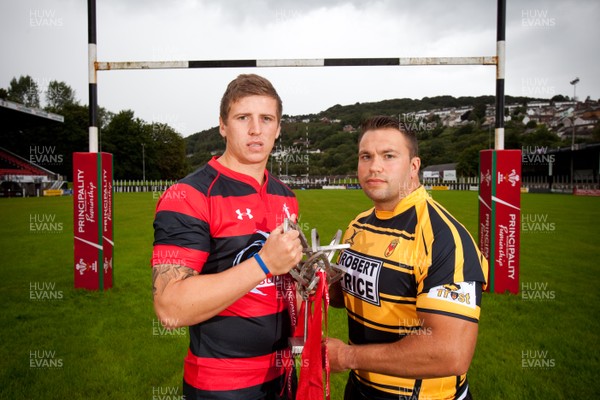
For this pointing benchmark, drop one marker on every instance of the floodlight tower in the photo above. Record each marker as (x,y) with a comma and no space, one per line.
(574,82)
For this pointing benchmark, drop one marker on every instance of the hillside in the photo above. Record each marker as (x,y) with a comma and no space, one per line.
(449,130)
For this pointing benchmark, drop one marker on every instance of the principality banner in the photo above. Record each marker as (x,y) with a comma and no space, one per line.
(107,217)
(500,217)
(92,220)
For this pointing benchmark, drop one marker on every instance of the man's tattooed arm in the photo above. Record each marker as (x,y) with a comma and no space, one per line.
(165,273)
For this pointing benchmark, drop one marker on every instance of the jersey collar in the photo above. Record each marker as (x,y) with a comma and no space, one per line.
(238,175)
(407,202)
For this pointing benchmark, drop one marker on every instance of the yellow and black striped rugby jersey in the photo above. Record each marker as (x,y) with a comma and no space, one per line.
(415,258)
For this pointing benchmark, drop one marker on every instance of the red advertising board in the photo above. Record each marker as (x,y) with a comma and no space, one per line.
(586,192)
(485,204)
(107,216)
(92,189)
(500,217)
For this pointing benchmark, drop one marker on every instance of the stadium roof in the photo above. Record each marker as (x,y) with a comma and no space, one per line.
(15,116)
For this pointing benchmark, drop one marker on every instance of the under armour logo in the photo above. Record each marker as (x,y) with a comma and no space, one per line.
(248,213)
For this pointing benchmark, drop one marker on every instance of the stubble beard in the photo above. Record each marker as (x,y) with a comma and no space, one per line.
(388,197)
(380,196)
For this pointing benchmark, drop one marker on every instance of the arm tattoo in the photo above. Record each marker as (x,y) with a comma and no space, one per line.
(167,273)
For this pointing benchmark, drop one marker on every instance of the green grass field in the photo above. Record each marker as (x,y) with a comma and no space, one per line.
(60,343)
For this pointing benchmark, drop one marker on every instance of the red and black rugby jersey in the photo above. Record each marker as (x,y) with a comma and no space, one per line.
(209,221)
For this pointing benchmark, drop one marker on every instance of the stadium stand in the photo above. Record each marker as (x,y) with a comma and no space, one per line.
(19,176)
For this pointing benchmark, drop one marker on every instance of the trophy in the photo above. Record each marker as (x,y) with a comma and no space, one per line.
(316,258)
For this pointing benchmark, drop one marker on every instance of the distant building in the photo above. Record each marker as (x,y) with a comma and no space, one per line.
(439,172)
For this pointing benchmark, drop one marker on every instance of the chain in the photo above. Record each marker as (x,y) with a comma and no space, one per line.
(315,258)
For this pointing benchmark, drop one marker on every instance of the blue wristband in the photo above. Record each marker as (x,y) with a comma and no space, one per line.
(262,265)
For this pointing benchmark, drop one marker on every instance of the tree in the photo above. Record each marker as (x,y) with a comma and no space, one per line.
(541,137)
(558,98)
(468,161)
(123,137)
(138,148)
(464,130)
(478,113)
(59,94)
(167,152)
(434,152)
(531,124)
(68,137)
(518,111)
(25,91)
(596,133)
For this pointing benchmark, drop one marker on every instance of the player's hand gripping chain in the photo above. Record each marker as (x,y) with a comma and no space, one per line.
(316,258)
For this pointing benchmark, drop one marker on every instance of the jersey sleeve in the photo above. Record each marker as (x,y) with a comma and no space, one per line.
(181,228)
(460,300)
(452,284)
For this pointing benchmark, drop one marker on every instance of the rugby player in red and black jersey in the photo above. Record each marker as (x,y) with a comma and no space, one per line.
(221,257)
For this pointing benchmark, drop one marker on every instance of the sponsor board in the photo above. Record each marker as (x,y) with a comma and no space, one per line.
(92,220)
(500,217)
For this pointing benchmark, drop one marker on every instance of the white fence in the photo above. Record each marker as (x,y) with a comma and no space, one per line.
(535,183)
(126,186)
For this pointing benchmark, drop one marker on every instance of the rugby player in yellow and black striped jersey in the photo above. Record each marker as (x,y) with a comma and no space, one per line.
(414,282)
